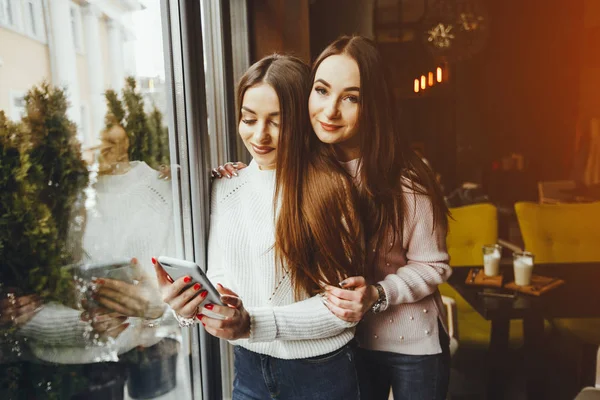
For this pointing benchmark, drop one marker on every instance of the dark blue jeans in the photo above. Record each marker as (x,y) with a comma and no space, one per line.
(328,377)
(411,377)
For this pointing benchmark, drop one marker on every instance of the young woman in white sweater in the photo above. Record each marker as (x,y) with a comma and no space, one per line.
(288,344)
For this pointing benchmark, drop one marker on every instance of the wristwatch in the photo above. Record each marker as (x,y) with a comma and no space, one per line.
(381,300)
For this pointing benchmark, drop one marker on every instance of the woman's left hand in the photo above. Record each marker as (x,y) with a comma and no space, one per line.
(236,322)
(353,301)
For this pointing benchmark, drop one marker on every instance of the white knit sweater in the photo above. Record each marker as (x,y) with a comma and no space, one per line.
(241,257)
(133,217)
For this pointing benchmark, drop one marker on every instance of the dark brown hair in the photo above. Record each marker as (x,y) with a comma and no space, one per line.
(318,234)
(388,166)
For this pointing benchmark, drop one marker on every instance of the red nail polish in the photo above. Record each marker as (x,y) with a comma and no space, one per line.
(199,316)
(209,306)
(204,294)
(169,278)
(203,324)
(197,286)
(187,279)
(153,260)
(100,281)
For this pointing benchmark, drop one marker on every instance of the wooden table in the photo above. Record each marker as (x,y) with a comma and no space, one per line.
(579,297)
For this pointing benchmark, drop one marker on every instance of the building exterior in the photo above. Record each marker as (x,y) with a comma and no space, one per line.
(86,46)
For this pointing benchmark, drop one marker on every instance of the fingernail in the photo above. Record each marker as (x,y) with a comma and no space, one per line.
(153,260)
(199,316)
(204,294)
(234,173)
(169,278)
(187,279)
(342,283)
(197,286)
(100,281)
(134,260)
(209,306)
(228,176)
(219,285)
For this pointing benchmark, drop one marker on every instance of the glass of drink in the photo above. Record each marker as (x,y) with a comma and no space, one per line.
(523,266)
(491,259)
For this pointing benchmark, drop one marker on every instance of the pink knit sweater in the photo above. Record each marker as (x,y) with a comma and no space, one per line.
(410,272)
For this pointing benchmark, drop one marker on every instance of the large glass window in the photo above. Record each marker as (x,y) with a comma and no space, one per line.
(94,184)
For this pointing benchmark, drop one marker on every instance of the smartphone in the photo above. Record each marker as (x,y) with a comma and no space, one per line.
(118,269)
(177,268)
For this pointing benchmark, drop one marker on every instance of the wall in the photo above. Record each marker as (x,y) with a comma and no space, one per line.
(25,62)
(332,18)
(279,26)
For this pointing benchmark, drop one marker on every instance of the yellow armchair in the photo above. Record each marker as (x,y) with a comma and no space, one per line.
(470,228)
(560,232)
(564,232)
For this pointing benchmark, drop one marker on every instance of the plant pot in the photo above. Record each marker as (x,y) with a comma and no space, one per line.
(155,373)
(109,390)
(106,381)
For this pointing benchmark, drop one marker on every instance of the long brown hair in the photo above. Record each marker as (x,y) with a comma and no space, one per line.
(318,233)
(388,167)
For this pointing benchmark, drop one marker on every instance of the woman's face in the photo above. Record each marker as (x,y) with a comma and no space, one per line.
(259,124)
(334,101)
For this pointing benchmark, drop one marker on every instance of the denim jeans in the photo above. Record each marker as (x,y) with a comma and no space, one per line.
(412,377)
(328,377)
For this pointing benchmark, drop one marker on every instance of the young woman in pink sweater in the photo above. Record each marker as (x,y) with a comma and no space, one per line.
(402,334)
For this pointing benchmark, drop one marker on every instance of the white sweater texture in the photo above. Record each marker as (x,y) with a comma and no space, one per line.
(241,257)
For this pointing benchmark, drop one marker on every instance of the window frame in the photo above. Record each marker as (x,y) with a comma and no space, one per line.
(75,19)
(15,95)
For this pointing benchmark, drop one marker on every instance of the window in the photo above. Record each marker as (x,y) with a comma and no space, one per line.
(76,28)
(6,13)
(33,18)
(61,350)
(17,105)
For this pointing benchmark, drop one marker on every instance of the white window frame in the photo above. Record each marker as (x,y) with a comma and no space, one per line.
(76,27)
(5,6)
(33,19)
(22,17)
(16,112)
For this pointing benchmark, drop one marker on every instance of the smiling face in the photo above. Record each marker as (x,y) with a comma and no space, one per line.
(259,124)
(334,104)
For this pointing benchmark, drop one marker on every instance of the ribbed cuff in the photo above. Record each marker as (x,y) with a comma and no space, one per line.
(263,327)
(390,294)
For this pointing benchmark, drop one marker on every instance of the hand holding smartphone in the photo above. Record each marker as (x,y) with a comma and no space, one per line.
(177,268)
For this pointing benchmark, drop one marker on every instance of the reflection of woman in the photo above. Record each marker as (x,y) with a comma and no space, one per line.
(129,201)
(288,343)
(403,341)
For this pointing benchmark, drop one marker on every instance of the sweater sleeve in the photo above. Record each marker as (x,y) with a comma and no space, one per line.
(307,319)
(426,255)
(56,324)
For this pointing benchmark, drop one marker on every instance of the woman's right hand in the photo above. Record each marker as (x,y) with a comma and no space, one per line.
(228,170)
(185,303)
